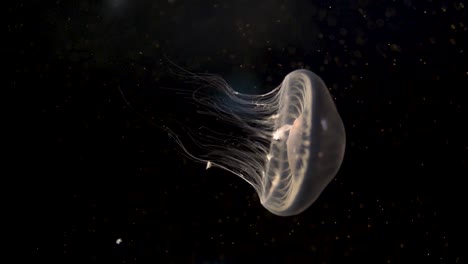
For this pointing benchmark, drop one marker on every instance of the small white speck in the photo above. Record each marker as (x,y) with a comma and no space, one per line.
(118,241)
(324,124)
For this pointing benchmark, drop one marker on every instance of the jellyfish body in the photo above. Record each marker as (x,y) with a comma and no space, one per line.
(292,142)
(309,156)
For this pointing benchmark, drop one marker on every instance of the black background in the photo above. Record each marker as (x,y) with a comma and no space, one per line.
(397,71)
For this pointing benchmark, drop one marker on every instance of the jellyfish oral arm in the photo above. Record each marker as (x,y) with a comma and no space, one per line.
(279,133)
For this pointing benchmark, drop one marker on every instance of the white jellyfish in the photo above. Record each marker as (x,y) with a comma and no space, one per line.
(291,144)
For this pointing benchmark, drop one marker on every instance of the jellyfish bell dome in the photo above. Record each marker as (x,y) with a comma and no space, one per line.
(291,143)
(307,146)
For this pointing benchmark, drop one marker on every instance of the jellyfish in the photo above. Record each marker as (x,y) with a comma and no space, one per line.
(288,144)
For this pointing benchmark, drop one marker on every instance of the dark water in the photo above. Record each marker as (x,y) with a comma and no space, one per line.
(398,74)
